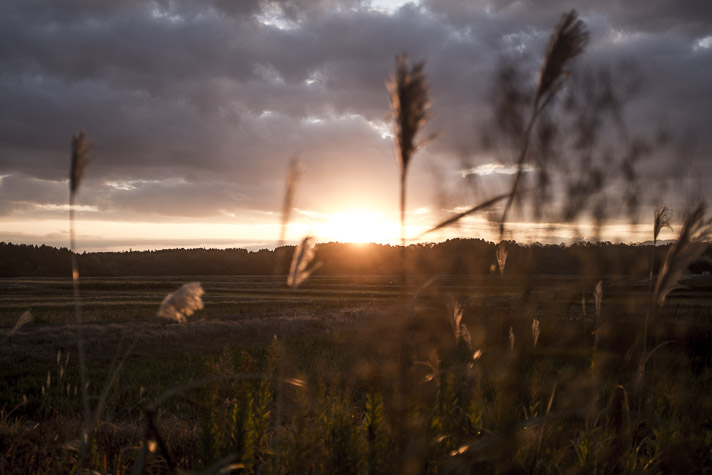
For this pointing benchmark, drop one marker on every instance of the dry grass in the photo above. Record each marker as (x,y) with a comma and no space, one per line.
(80,160)
(24,319)
(410,100)
(294,172)
(182,303)
(695,234)
(661,221)
(568,40)
(303,264)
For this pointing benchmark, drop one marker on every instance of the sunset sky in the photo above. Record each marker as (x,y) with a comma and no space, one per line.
(195,109)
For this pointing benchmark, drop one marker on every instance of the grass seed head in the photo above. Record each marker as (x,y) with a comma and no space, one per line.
(567,41)
(294,172)
(80,160)
(695,234)
(460,330)
(182,303)
(300,269)
(535,331)
(662,220)
(456,319)
(410,101)
(24,319)
(501,257)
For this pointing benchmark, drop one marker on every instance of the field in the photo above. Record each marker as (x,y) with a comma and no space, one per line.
(344,379)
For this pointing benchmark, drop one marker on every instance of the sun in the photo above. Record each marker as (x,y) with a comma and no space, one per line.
(358,226)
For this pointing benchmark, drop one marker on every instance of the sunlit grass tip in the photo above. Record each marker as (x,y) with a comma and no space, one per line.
(460,330)
(501,254)
(24,319)
(182,303)
(410,100)
(301,267)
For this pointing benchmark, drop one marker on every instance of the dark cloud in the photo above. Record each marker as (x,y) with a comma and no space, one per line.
(201,104)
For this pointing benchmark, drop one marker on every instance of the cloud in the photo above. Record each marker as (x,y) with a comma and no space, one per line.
(199,105)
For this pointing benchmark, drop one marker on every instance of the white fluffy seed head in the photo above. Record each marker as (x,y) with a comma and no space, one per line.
(182,303)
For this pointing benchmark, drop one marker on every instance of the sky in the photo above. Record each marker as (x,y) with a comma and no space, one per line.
(195,109)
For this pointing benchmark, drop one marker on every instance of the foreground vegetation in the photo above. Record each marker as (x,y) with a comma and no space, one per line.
(315,388)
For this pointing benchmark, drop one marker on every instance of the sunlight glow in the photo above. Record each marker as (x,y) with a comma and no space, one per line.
(357,226)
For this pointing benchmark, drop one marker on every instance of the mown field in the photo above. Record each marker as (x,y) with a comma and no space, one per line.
(345,373)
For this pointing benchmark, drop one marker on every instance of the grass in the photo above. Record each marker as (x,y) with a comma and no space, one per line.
(346,363)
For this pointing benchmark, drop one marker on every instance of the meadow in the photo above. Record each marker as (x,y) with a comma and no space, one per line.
(325,359)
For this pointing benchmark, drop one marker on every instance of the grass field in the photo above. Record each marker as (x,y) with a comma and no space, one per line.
(342,340)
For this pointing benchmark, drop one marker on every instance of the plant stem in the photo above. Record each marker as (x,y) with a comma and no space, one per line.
(520,166)
(79,331)
(402,226)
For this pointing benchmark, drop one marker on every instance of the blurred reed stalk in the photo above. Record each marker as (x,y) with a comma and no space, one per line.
(568,40)
(80,159)
(294,172)
(410,101)
(695,234)
(661,220)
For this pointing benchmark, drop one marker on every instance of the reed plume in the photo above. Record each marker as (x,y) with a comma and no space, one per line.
(301,267)
(501,254)
(410,101)
(294,172)
(662,220)
(24,319)
(182,303)
(694,237)
(460,330)
(535,331)
(80,159)
(568,40)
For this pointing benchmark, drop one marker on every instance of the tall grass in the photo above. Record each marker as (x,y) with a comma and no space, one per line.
(79,161)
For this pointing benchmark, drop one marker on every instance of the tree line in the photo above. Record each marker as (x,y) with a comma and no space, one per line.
(453,257)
